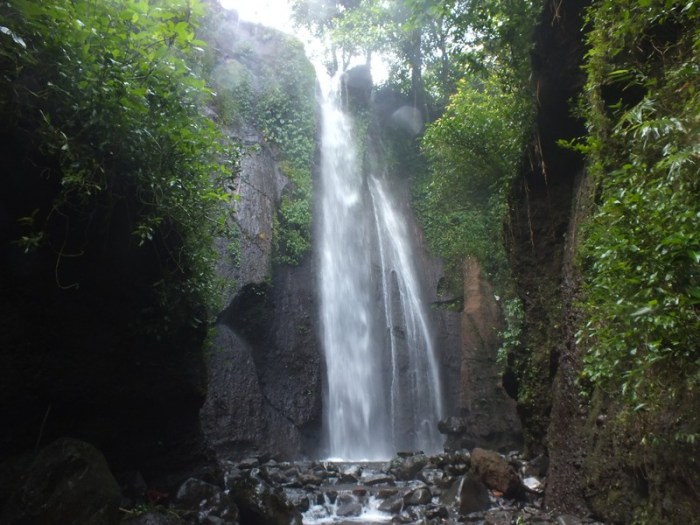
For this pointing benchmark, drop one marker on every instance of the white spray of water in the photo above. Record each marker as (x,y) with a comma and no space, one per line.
(383,388)
(419,385)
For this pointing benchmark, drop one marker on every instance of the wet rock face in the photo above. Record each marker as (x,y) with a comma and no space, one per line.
(264,368)
(265,384)
(357,83)
(489,414)
(68,482)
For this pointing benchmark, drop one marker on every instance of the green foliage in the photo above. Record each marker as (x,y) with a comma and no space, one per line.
(105,98)
(642,251)
(474,150)
(266,82)
(286,115)
(294,216)
(234,100)
(514,315)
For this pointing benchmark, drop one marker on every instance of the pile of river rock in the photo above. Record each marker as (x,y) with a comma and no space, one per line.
(70,482)
(480,487)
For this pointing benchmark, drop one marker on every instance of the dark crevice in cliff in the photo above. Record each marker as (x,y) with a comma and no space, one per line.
(541,201)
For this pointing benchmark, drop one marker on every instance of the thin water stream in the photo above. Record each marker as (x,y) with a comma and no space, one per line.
(383,381)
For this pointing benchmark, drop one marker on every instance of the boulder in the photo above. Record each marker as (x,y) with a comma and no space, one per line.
(259,502)
(68,482)
(468,494)
(392,505)
(357,84)
(406,469)
(417,496)
(207,500)
(496,473)
(377,479)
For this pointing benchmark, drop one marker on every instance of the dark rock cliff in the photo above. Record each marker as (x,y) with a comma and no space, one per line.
(489,412)
(548,206)
(76,358)
(264,367)
(541,202)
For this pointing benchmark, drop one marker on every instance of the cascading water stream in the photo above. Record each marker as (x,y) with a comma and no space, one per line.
(383,388)
(408,330)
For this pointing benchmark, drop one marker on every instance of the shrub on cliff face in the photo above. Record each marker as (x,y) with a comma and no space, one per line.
(263,80)
(641,255)
(474,150)
(642,251)
(106,112)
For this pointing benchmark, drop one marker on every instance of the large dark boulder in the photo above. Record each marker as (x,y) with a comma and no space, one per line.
(357,84)
(258,501)
(68,482)
(468,494)
(264,371)
(496,473)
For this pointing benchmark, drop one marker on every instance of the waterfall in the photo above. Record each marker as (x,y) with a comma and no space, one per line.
(383,386)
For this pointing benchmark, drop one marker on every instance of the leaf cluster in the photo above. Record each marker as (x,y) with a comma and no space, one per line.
(285,113)
(641,256)
(105,98)
(474,151)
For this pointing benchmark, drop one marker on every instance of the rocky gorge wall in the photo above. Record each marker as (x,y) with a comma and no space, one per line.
(599,461)
(264,366)
(76,358)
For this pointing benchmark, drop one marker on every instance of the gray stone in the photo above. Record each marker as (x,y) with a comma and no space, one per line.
(392,505)
(260,503)
(436,512)
(405,469)
(344,498)
(435,476)
(68,482)
(206,499)
(468,494)
(347,510)
(377,479)
(352,470)
(418,496)
(386,492)
(249,463)
(310,479)
(299,498)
